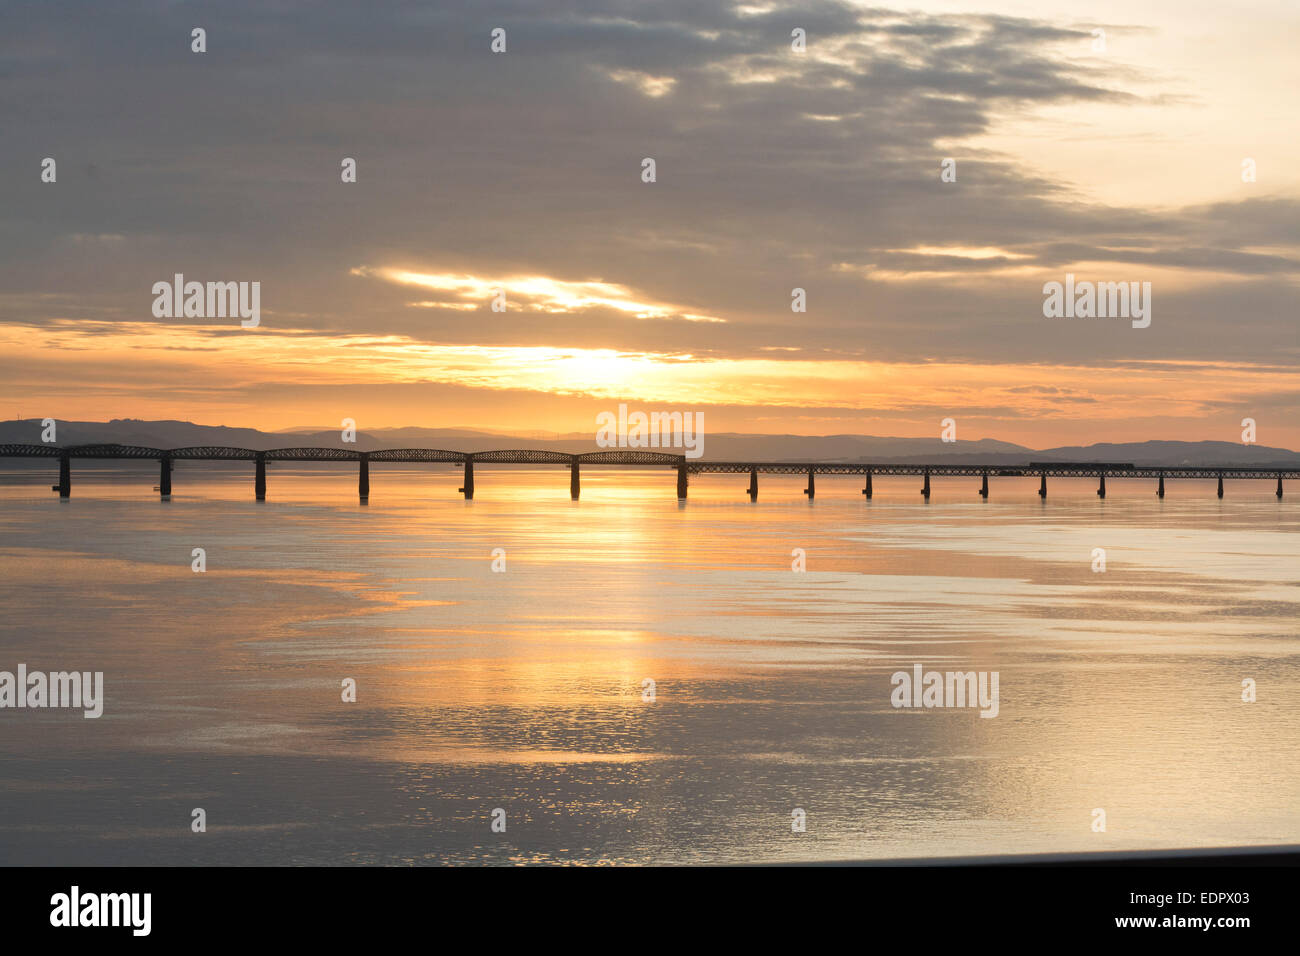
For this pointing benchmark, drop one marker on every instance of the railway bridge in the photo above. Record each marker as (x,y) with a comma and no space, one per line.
(633,458)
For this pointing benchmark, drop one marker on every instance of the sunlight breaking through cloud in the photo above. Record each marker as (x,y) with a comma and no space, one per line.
(537,293)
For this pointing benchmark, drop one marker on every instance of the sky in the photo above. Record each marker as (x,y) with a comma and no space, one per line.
(1113,158)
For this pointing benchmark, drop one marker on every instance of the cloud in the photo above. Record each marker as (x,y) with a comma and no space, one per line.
(534,293)
(775,170)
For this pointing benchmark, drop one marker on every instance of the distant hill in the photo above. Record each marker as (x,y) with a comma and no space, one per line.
(1174,453)
(723,446)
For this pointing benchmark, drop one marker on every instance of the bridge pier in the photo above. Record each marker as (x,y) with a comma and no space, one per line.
(1042,486)
(984,486)
(925,489)
(259,480)
(165,479)
(1221,486)
(681,481)
(1160,492)
(811,490)
(363,478)
(468,488)
(64,487)
(575,482)
(1101,489)
(867,490)
(1279,487)
(753,484)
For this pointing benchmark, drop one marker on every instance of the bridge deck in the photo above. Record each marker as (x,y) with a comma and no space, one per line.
(639,458)
(620,457)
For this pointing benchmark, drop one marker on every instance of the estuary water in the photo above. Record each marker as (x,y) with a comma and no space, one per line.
(641,680)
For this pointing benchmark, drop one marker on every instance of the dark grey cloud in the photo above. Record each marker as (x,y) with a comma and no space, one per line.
(225,165)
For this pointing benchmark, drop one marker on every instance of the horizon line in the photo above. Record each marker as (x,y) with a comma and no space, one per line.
(543,435)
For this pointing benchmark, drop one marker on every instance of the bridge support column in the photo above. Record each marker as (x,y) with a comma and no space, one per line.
(1220,486)
(575,482)
(1160,492)
(1101,489)
(925,488)
(259,481)
(64,486)
(1042,486)
(468,488)
(984,486)
(1279,487)
(681,481)
(165,479)
(867,490)
(753,484)
(811,490)
(363,477)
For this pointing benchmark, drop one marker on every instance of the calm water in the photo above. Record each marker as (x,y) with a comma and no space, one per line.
(522,690)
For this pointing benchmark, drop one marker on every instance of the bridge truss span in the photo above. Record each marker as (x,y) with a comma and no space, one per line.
(417,455)
(633,458)
(31,451)
(212,453)
(522,456)
(310,454)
